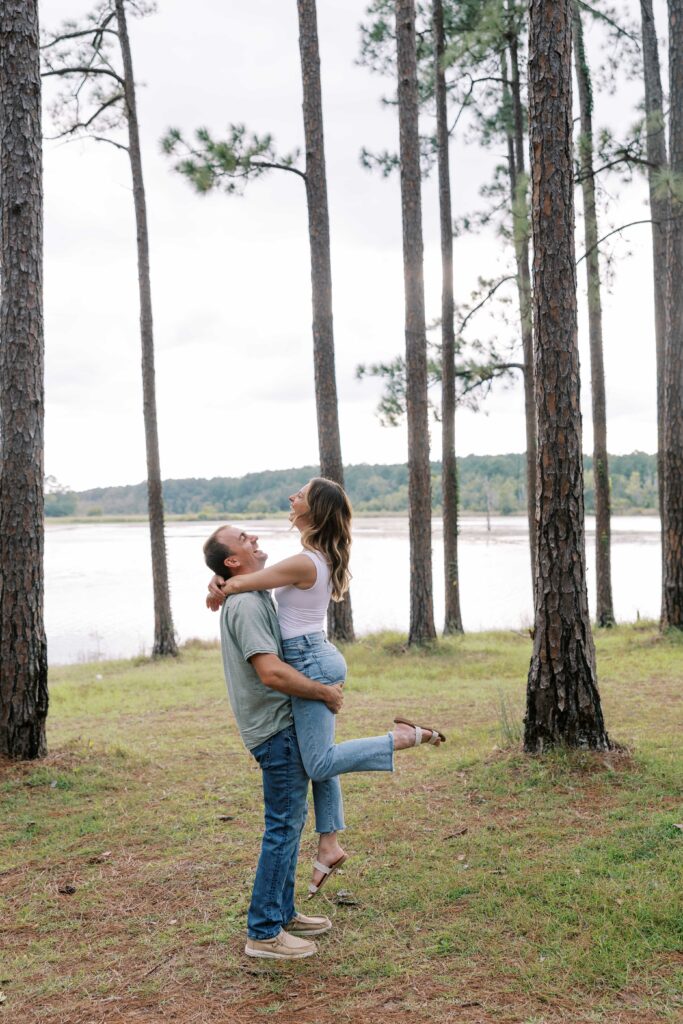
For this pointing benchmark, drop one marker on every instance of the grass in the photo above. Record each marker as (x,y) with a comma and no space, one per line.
(488,886)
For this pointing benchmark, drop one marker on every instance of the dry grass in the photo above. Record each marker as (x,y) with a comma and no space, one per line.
(489,886)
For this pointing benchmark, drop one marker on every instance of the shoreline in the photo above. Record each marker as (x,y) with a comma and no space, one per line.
(384,637)
(259,517)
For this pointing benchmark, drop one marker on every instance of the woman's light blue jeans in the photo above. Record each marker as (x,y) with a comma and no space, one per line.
(324,761)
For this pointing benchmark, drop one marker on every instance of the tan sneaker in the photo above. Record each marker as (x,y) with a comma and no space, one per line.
(308,926)
(281,947)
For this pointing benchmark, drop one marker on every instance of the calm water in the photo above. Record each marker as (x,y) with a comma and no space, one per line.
(99,593)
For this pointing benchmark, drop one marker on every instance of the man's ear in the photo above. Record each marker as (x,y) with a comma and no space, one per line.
(232,562)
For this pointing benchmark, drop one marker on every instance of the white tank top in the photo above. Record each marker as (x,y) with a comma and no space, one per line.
(305,611)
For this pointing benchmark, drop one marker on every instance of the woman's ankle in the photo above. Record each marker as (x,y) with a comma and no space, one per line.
(328,841)
(404,737)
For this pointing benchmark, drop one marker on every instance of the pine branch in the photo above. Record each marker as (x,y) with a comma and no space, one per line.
(604,238)
(95,31)
(84,125)
(278,167)
(464,103)
(490,294)
(112,142)
(230,163)
(85,71)
(626,158)
(600,16)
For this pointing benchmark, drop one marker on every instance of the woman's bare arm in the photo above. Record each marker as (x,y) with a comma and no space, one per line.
(297,571)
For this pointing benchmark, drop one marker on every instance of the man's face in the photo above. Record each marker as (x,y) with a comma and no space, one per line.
(246,555)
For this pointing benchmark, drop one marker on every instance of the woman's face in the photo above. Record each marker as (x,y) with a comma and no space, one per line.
(298,506)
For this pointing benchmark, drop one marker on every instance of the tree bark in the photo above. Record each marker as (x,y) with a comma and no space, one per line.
(659,211)
(604,604)
(340,619)
(23,647)
(672,605)
(563,704)
(520,230)
(164,633)
(449,467)
(419,474)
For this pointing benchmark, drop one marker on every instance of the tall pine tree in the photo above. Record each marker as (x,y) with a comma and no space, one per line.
(672,590)
(421,629)
(23,647)
(563,703)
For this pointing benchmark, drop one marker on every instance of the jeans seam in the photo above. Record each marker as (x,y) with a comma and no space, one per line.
(278,859)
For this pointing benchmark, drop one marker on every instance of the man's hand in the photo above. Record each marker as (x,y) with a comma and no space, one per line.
(335,698)
(282,677)
(215,597)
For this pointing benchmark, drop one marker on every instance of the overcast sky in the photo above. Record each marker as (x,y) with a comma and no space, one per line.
(231,278)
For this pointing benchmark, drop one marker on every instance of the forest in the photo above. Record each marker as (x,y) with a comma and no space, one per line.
(518,82)
(494,484)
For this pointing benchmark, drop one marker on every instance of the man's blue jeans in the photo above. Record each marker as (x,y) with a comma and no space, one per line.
(323,759)
(285,789)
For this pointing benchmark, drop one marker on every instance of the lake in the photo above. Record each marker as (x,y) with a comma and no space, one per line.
(98,601)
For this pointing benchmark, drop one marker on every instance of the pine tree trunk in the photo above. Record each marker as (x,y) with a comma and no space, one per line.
(23,647)
(672,606)
(164,633)
(659,211)
(563,704)
(520,229)
(604,605)
(449,467)
(419,474)
(340,619)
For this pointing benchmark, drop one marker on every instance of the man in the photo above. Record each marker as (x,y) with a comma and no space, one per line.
(260,684)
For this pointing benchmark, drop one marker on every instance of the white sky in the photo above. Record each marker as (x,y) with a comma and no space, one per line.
(231,278)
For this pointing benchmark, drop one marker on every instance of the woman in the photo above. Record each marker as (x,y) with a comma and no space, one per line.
(303,587)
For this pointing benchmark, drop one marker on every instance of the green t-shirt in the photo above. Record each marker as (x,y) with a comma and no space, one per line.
(249,626)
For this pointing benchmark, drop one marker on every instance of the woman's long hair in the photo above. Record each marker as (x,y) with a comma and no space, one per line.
(329,530)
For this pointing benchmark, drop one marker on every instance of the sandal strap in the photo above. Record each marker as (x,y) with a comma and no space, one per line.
(418,735)
(434,739)
(326,870)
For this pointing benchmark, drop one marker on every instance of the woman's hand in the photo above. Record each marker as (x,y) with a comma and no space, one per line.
(215,597)
(229,587)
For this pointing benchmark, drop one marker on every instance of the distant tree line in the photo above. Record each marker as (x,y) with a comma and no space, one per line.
(487,483)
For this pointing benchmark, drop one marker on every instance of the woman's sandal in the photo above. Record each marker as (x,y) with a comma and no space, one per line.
(435,738)
(328,870)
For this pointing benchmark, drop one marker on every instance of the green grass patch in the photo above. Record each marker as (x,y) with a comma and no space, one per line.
(518,889)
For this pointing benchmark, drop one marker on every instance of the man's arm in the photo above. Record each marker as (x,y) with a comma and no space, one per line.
(279,676)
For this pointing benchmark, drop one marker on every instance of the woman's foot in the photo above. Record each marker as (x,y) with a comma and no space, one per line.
(329,853)
(405,736)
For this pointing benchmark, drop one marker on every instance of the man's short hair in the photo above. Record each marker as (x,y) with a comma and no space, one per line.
(215,553)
